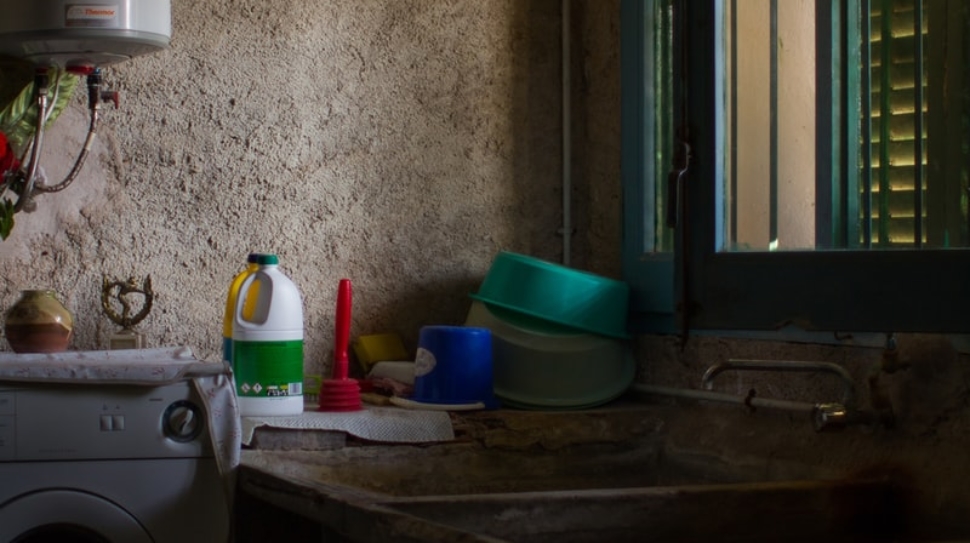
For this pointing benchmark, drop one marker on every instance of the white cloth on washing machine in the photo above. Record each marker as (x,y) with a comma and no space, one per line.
(145,367)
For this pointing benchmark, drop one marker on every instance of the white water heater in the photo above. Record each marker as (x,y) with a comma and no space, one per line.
(78,33)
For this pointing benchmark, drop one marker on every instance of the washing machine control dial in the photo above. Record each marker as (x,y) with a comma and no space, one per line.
(182,421)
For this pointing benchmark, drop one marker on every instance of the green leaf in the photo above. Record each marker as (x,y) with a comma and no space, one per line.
(6,219)
(19,118)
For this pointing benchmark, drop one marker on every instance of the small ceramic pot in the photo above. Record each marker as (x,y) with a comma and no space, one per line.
(38,323)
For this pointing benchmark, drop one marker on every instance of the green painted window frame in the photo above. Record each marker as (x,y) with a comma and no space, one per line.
(648,270)
(834,290)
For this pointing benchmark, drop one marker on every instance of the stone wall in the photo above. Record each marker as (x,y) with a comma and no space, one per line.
(399,144)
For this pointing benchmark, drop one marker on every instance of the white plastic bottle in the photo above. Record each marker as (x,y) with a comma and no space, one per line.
(267,344)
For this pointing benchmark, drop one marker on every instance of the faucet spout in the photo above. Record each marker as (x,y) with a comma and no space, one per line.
(848,384)
(833,416)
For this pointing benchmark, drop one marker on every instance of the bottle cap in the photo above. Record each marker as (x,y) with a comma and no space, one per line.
(267,259)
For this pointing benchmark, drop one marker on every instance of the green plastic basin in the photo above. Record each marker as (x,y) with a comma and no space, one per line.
(546,371)
(549,297)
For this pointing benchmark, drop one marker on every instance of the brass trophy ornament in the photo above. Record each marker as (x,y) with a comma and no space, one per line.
(115,292)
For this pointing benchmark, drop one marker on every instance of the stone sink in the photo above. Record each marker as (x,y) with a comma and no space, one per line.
(520,480)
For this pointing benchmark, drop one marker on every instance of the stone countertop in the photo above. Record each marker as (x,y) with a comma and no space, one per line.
(354,514)
(722,441)
(295,470)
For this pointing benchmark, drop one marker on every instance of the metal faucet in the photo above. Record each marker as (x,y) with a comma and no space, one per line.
(848,385)
(826,416)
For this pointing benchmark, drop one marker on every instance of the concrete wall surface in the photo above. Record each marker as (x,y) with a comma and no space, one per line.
(399,144)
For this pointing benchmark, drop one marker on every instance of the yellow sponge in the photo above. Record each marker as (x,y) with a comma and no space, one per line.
(374,348)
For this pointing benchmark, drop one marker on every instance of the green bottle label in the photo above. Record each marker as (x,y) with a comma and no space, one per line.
(268,369)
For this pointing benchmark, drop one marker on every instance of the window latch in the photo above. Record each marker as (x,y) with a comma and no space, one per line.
(675,182)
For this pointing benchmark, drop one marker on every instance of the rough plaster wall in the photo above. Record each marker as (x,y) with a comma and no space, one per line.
(399,144)
(597,199)
(930,397)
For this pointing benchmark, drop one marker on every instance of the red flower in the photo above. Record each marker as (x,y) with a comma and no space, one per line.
(8,161)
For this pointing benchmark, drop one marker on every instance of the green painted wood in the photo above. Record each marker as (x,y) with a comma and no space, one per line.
(875,291)
(829,197)
(885,112)
(648,272)
(851,71)
(918,125)
(865,31)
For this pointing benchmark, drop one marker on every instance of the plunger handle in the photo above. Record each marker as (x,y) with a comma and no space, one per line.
(341,361)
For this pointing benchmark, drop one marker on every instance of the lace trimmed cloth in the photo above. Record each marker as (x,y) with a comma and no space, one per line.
(150,368)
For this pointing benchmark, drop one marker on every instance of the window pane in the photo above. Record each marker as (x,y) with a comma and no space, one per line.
(846,129)
(771,108)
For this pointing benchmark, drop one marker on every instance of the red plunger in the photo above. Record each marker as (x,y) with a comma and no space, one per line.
(340,393)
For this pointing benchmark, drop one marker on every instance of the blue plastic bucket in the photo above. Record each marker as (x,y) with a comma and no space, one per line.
(454,365)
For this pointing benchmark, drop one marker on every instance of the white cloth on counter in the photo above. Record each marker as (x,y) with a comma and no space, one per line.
(144,367)
(373,423)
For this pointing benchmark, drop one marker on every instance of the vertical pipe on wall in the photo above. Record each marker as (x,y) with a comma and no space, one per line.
(773,129)
(567,182)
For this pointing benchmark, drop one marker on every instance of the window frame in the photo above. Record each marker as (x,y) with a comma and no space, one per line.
(840,290)
(650,273)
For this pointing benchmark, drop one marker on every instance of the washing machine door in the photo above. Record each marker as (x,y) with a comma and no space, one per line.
(67,516)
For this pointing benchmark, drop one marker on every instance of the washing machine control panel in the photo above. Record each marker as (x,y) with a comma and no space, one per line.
(53,422)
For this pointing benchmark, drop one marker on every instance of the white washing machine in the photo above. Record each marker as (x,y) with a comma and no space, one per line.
(98,463)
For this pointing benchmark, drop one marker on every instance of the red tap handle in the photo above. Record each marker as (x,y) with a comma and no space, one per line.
(342,333)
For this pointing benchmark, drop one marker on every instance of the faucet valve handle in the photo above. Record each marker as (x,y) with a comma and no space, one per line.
(111,96)
(830,417)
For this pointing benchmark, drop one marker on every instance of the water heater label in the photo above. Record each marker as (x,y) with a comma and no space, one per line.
(91,15)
